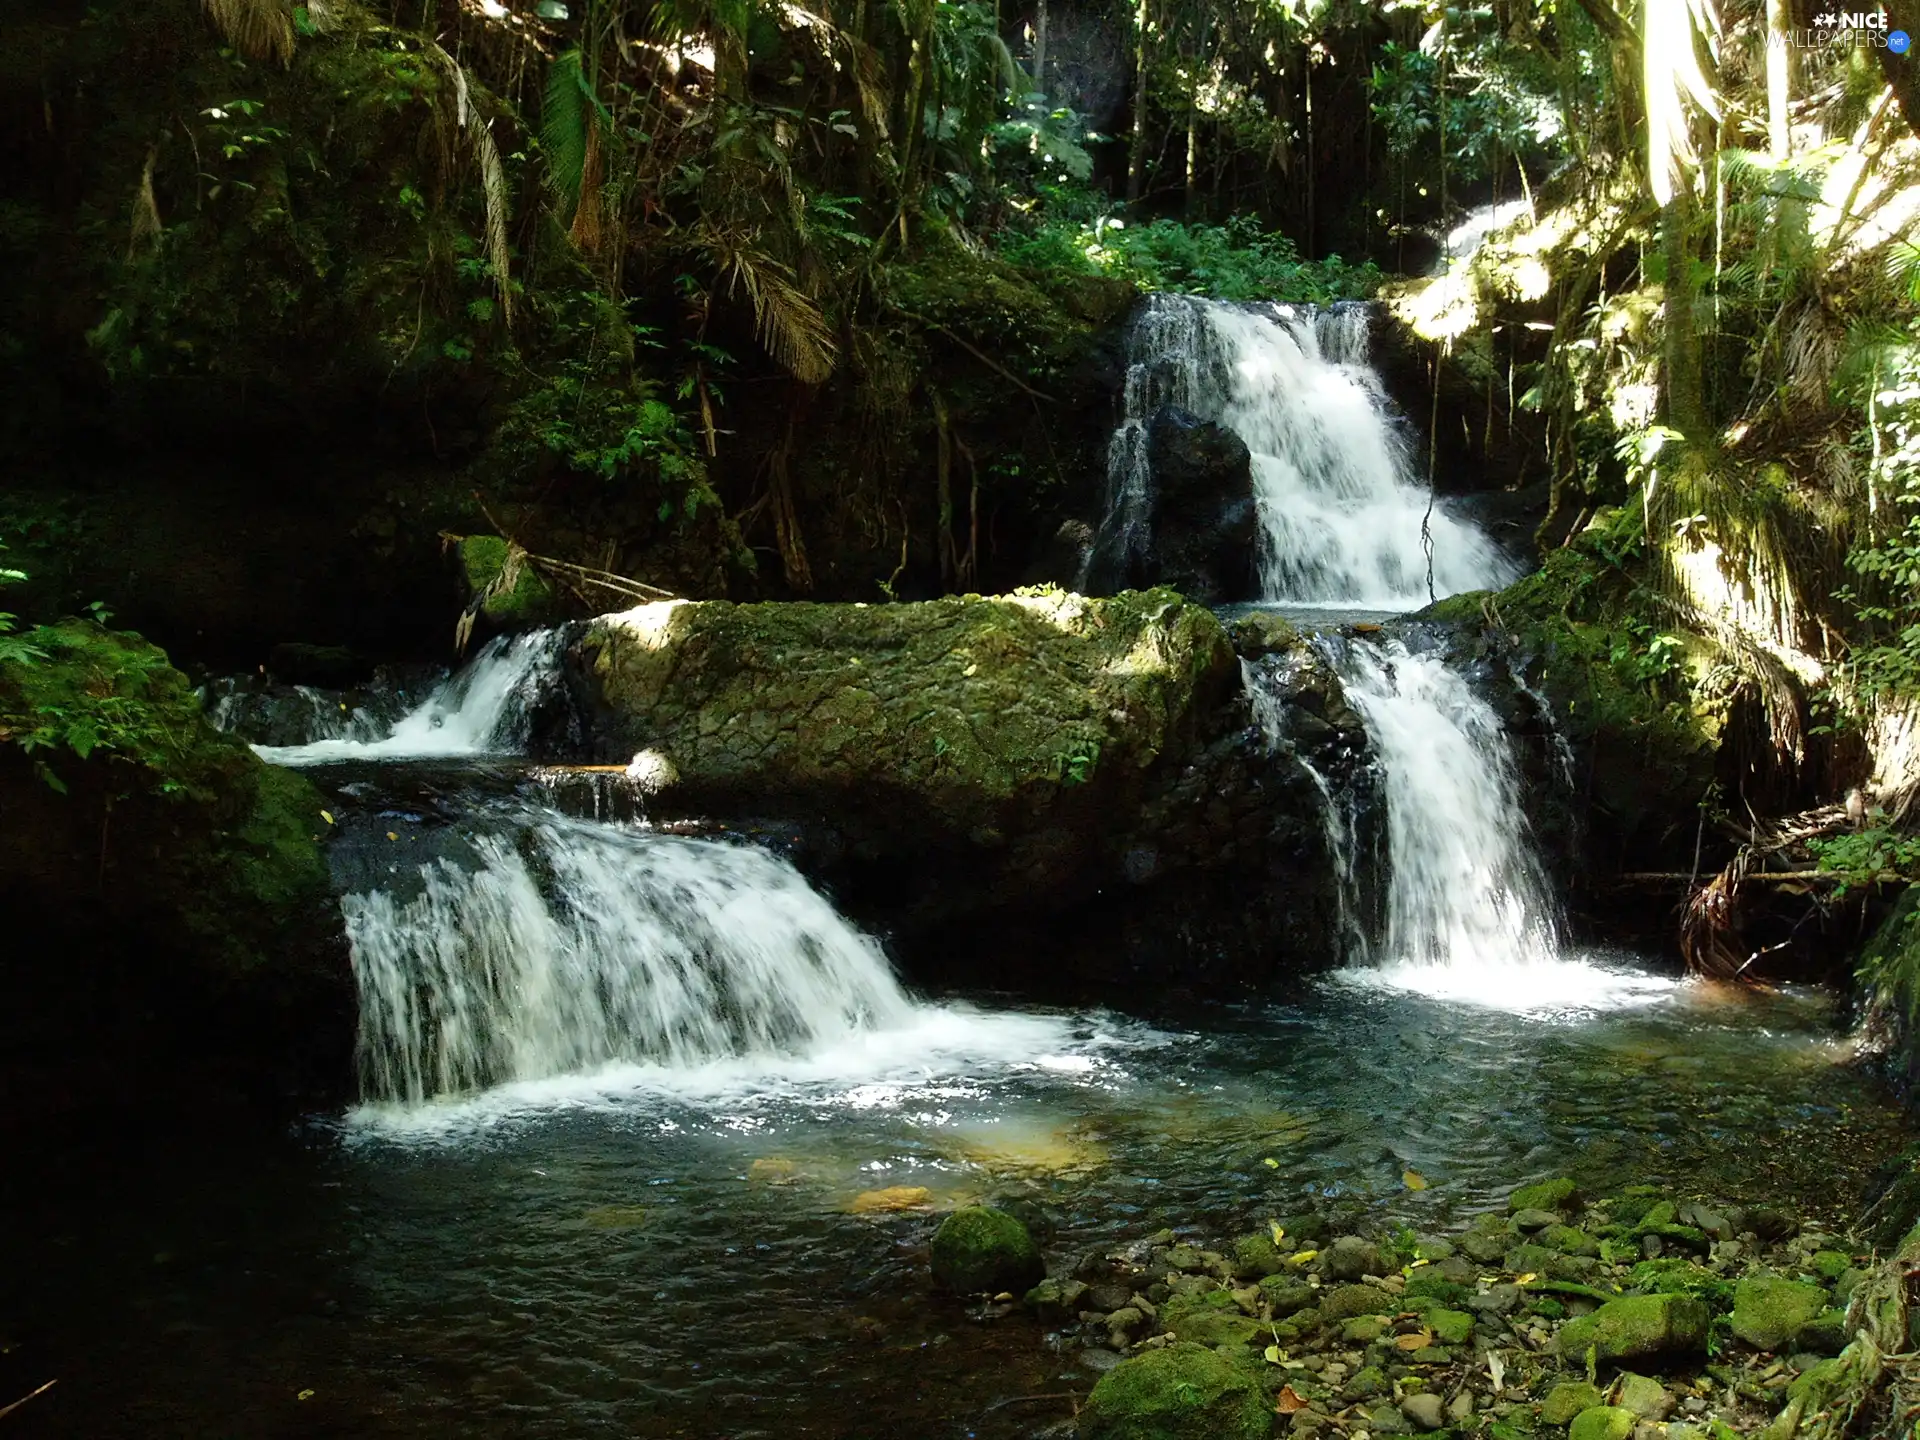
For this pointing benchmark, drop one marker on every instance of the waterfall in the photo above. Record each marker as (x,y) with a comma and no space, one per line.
(483,709)
(1466,889)
(588,944)
(1343,520)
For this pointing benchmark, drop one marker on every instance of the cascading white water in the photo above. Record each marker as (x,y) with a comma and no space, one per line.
(478,711)
(590,944)
(1469,912)
(1342,521)
(1466,887)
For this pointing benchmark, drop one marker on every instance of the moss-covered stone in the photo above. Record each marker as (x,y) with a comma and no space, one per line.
(1636,1327)
(1450,1327)
(525,598)
(1569,1399)
(165,865)
(981,1250)
(976,715)
(1770,1310)
(1184,1392)
(1569,1240)
(1603,1422)
(1256,1256)
(1343,1302)
(1286,1295)
(1208,1317)
(1556,1194)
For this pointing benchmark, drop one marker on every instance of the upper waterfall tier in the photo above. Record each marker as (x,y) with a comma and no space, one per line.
(1343,520)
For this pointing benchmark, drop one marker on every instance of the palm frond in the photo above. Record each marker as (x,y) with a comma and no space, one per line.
(146,210)
(790,323)
(1674,81)
(258,29)
(565,127)
(1903,267)
(493,176)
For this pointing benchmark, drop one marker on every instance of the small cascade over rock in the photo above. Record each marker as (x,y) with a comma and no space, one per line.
(1466,888)
(488,707)
(575,945)
(1341,519)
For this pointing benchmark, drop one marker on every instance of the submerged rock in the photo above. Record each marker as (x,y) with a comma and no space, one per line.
(981,1250)
(1184,1392)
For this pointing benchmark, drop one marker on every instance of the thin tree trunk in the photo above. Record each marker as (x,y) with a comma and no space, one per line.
(1137,150)
(1040,50)
(1683,404)
(1779,58)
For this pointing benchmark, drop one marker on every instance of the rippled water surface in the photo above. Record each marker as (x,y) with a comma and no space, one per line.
(676,1254)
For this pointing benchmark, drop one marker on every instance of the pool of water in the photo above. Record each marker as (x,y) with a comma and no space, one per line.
(679,1254)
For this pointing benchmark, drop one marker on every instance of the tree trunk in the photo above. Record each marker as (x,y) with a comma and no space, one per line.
(1779,58)
(1682,404)
(1903,71)
(1137,150)
(1040,50)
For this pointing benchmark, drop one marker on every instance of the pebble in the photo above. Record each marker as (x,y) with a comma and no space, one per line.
(1425,1410)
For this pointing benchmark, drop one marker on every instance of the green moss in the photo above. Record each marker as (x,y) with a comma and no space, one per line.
(1209,1317)
(1558,1194)
(1256,1257)
(1770,1310)
(983,711)
(130,804)
(1184,1392)
(1637,1326)
(530,600)
(1603,1422)
(981,1250)
(1567,1400)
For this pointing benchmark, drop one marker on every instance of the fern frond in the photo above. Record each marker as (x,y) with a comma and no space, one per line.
(258,29)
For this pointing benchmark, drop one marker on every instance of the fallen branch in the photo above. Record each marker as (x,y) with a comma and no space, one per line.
(24,1398)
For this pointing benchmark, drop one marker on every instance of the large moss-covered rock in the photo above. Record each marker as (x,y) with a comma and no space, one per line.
(509,592)
(982,714)
(979,1249)
(1770,1310)
(1636,1327)
(1184,1392)
(179,879)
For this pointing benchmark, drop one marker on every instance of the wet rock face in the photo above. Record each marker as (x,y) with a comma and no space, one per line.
(1039,791)
(1205,528)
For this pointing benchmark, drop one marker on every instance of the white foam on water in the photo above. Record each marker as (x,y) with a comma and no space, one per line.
(1545,986)
(479,711)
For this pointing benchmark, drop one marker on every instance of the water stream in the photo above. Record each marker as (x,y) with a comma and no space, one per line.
(638,1107)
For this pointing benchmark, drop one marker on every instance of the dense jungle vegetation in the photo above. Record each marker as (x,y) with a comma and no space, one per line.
(767,300)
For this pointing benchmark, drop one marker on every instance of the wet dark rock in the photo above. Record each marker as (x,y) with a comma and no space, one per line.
(1205,526)
(1351,1258)
(981,1250)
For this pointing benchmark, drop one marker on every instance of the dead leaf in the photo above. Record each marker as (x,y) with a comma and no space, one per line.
(1288,1402)
(326,816)
(392,836)
(1272,1352)
(1278,1233)
(1302,1257)
(1271,1163)
(1413,1180)
(1419,1340)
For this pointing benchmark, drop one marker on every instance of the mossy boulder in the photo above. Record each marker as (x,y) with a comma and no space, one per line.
(1209,1317)
(1184,1392)
(1603,1422)
(181,876)
(1635,1327)
(1256,1256)
(982,714)
(1343,1302)
(1770,1310)
(1557,1194)
(1569,1399)
(509,592)
(981,1250)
